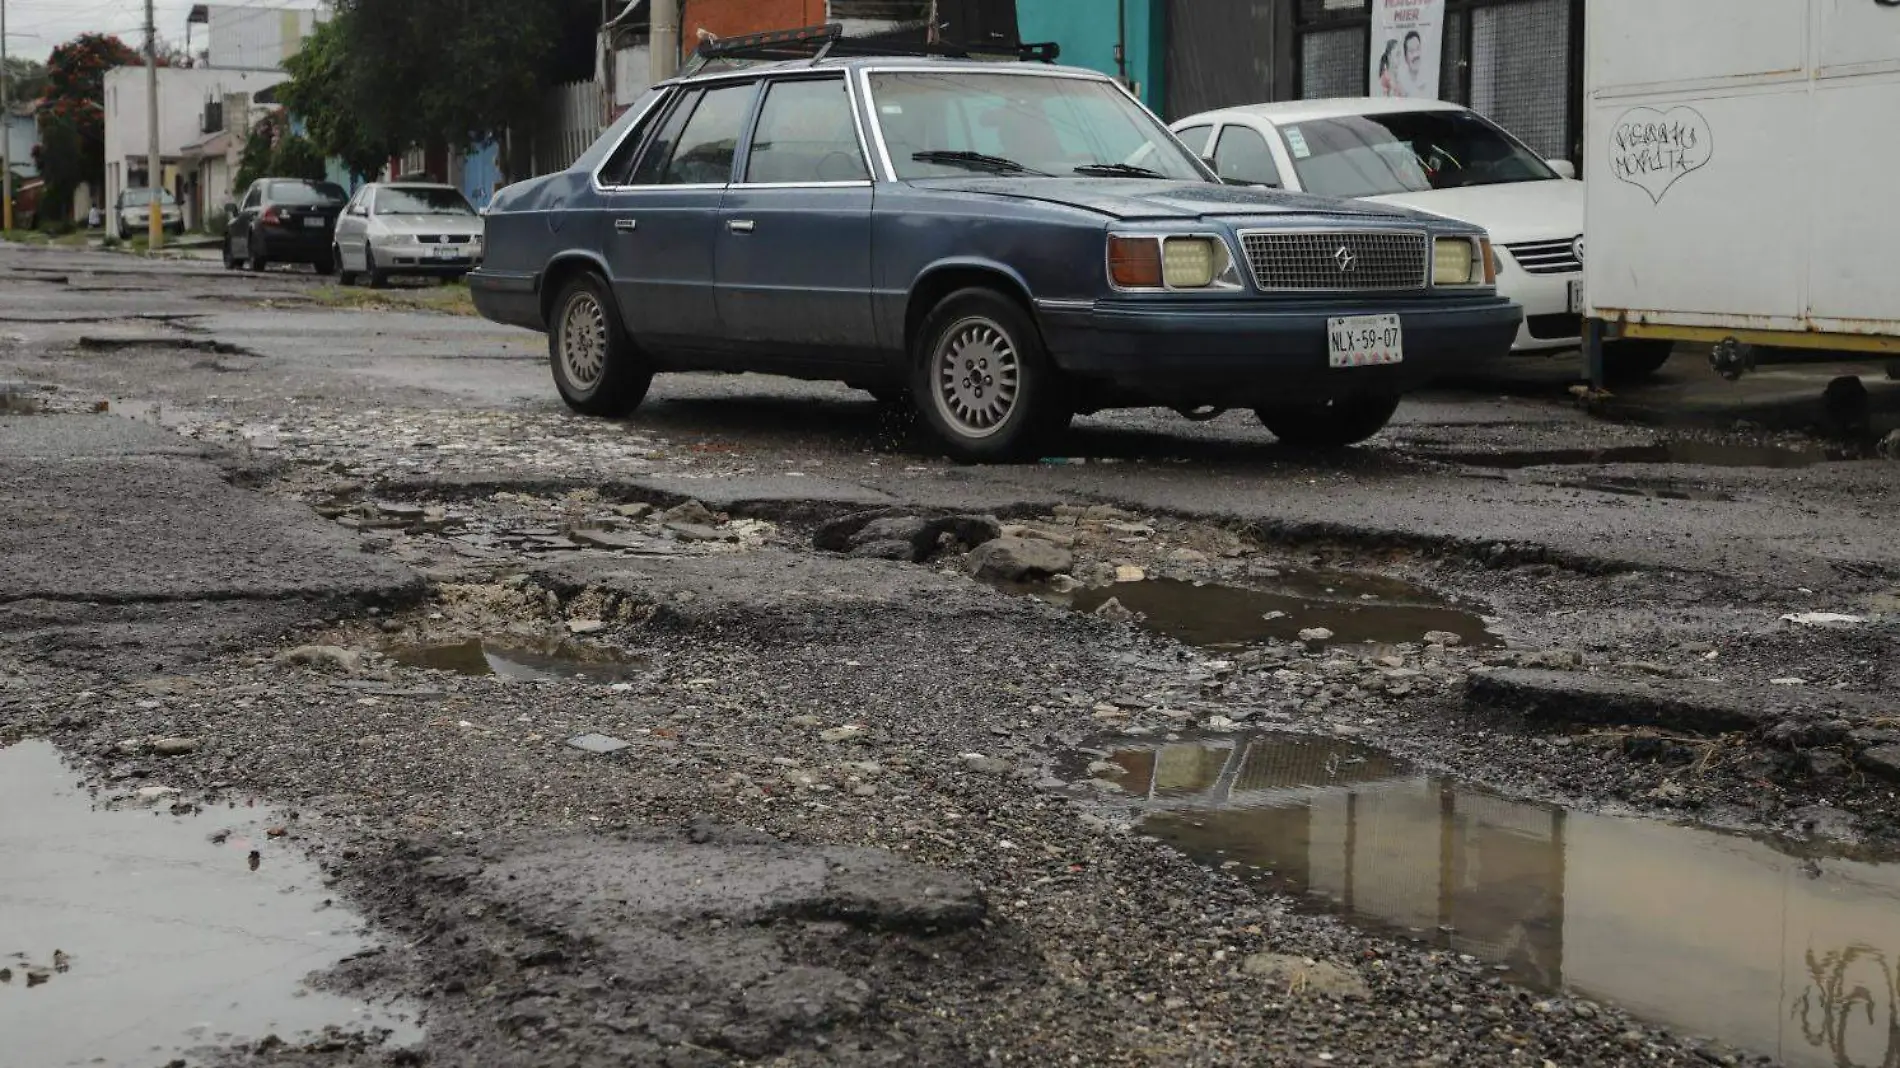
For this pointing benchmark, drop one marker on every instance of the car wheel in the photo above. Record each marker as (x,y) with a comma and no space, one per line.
(231,260)
(596,366)
(1330,424)
(1635,360)
(256,261)
(982,381)
(344,276)
(326,265)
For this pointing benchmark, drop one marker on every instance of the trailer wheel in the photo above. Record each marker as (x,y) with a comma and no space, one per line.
(1635,360)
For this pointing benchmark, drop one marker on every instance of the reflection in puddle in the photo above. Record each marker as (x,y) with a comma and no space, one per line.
(1714,934)
(1693,453)
(557,661)
(1356,608)
(129,937)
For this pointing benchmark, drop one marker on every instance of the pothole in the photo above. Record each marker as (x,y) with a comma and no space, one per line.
(512,659)
(1688,453)
(134,936)
(1767,947)
(1323,608)
(20,398)
(93,343)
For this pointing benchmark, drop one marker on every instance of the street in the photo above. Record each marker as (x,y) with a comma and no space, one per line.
(735,733)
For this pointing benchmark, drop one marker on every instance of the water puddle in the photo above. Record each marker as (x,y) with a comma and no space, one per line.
(1768,948)
(1692,453)
(18,398)
(1658,493)
(512,660)
(1356,609)
(131,936)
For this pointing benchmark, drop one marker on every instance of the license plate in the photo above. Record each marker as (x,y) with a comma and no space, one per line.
(313,222)
(448,252)
(1576,296)
(1364,340)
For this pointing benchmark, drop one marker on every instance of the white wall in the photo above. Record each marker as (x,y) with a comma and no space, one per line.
(260,37)
(182,93)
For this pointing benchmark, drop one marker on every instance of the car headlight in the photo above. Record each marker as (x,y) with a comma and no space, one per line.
(1462,261)
(1191,261)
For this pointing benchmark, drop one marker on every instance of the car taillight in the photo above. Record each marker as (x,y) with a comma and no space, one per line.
(272,217)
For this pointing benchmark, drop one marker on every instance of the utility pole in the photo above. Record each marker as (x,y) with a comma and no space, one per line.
(663,40)
(6,132)
(154,174)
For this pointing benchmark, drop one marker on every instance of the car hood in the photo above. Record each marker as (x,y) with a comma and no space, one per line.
(1143,198)
(1512,212)
(431,224)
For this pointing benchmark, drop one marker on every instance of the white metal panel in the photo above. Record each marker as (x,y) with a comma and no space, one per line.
(1693,205)
(1857,36)
(1856,231)
(1646,42)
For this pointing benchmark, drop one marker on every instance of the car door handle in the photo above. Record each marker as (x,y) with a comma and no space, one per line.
(739,226)
(626,226)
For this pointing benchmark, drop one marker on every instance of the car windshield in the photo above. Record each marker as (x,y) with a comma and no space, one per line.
(398,200)
(937,124)
(138,198)
(1406,152)
(304,194)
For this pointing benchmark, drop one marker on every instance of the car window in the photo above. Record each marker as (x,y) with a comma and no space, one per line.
(618,170)
(1407,152)
(421,200)
(805,134)
(651,169)
(703,155)
(937,124)
(1195,137)
(254,197)
(1243,154)
(306,194)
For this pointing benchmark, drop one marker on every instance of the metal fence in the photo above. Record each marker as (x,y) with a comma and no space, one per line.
(570,123)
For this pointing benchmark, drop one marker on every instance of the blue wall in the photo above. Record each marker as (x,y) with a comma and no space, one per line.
(1086,30)
(481,173)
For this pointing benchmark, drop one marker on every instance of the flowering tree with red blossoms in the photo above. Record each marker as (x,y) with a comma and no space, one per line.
(72,116)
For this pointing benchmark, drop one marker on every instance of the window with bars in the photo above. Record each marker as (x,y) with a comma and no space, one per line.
(1520,71)
(1333,63)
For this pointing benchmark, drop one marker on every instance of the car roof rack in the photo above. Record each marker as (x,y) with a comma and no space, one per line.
(821,42)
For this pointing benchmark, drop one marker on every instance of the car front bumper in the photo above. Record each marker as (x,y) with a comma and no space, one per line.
(1209,352)
(409,257)
(1549,324)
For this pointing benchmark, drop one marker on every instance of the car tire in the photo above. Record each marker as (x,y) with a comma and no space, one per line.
(344,276)
(981,380)
(232,261)
(1332,424)
(256,260)
(326,265)
(597,368)
(1635,360)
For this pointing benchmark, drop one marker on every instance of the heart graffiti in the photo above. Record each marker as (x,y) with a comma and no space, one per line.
(1654,150)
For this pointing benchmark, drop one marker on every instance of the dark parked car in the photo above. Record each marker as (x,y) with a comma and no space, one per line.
(1004,244)
(284,220)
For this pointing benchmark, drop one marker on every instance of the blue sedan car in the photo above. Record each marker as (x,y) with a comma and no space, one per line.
(1001,245)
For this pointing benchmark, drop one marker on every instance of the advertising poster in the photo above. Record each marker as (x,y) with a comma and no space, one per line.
(1408,39)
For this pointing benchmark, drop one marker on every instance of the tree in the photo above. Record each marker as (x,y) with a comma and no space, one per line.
(72,147)
(294,156)
(385,74)
(26,79)
(323,93)
(259,146)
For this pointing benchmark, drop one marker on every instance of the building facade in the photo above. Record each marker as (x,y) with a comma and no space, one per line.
(188,99)
(255,37)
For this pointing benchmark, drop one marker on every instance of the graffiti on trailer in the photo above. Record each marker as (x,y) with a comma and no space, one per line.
(1653,150)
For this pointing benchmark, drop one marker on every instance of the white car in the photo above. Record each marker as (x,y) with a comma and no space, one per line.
(407,228)
(1440,158)
(135,212)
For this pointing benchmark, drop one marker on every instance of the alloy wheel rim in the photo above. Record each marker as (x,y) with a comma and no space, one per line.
(584,341)
(978,377)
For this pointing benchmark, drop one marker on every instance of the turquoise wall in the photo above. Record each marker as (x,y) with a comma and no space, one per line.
(1086,30)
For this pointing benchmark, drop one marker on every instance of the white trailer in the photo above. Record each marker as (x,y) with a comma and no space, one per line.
(1743,159)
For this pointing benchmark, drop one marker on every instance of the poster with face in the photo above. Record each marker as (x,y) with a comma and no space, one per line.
(1407,43)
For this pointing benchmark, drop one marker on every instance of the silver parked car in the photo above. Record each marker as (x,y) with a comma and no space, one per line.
(406,228)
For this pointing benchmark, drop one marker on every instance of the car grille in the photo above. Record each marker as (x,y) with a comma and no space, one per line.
(444,239)
(1342,260)
(1547,257)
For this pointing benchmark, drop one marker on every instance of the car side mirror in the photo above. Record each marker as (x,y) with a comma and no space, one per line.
(1563,167)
